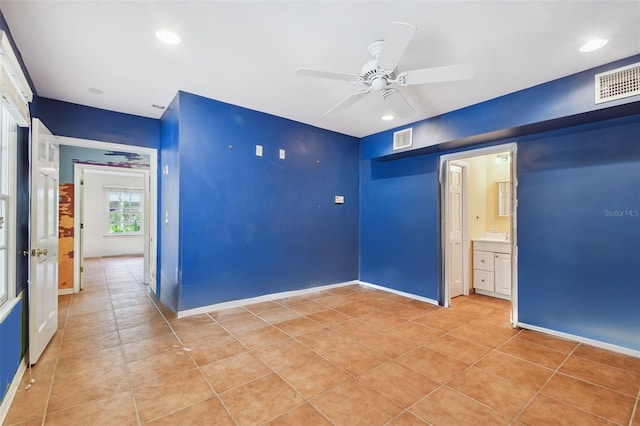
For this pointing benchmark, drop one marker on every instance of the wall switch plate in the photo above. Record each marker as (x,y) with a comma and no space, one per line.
(282,154)
(259,150)
(339,199)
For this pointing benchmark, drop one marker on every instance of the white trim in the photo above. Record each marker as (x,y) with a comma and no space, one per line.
(17,76)
(65,291)
(13,389)
(10,220)
(263,298)
(585,340)
(16,92)
(400,293)
(8,306)
(151,202)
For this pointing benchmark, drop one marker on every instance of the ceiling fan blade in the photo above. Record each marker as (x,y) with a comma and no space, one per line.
(305,72)
(348,102)
(440,74)
(397,103)
(396,41)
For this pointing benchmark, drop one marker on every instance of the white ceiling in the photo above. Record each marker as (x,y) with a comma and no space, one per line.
(246,53)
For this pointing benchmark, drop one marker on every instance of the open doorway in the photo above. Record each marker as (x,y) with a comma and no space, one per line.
(113,214)
(478,224)
(99,160)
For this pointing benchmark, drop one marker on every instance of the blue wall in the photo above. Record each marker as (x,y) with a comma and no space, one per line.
(579,268)
(557,104)
(578,228)
(579,231)
(169,255)
(399,223)
(10,346)
(256,225)
(82,122)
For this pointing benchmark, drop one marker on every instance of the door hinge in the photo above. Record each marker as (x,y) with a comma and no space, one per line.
(82,226)
(81,181)
(82,269)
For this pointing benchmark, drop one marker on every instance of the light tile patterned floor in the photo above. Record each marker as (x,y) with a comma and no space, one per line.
(346,356)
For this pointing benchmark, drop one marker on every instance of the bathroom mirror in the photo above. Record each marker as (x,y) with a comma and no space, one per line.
(504,199)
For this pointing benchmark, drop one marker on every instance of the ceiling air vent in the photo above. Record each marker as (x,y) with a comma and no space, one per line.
(403,139)
(617,84)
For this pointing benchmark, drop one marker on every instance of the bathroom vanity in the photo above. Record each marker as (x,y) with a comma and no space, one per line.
(492,267)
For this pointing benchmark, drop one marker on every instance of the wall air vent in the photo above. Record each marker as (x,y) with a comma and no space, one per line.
(617,84)
(403,139)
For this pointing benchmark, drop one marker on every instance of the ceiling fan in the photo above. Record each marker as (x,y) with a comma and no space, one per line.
(380,73)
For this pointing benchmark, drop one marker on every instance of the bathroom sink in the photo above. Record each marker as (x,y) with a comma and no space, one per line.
(495,237)
(493,240)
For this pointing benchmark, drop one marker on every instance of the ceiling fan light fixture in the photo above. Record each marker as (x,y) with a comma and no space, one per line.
(168,37)
(387,117)
(593,44)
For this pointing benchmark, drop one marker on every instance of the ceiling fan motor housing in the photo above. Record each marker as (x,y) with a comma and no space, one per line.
(375,77)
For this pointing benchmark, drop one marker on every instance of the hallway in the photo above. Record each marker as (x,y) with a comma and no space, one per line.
(346,356)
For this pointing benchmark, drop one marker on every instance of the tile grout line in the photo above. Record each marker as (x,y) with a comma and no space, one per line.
(635,408)
(129,379)
(187,350)
(309,401)
(538,392)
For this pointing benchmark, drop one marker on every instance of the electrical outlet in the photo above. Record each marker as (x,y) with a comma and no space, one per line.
(339,199)
(259,150)
(282,154)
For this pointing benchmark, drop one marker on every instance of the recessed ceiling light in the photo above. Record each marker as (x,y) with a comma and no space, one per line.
(594,44)
(387,117)
(96,91)
(156,106)
(168,37)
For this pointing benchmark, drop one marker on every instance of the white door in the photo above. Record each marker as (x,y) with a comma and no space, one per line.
(455,231)
(43,275)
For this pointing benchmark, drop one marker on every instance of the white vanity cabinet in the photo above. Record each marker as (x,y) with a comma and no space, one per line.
(492,268)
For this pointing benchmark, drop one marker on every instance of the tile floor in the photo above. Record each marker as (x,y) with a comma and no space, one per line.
(346,356)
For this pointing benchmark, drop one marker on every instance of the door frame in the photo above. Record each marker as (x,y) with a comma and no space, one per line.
(78,189)
(445,159)
(150,270)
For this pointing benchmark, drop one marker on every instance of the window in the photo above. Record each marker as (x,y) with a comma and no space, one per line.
(125,210)
(14,111)
(8,134)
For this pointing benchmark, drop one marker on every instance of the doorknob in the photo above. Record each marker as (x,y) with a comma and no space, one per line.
(42,251)
(25,252)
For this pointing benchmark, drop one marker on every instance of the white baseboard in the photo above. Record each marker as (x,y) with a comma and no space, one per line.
(585,340)
(65,291)
(492,294)
(400,293)
(13,388)
(258,299)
